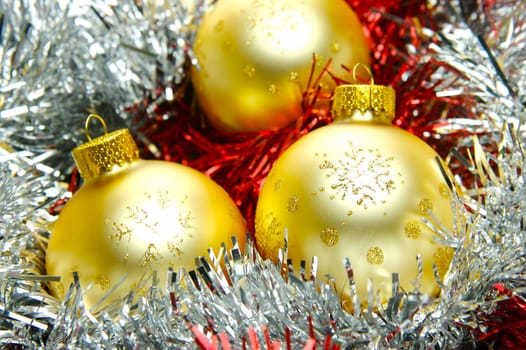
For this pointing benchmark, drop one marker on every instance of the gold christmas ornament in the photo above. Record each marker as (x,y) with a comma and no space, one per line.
(134,216)
(358,188)
(255,58)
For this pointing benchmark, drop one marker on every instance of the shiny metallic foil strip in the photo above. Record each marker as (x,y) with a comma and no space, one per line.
(61,60)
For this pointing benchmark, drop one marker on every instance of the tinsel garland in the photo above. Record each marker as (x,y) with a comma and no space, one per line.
(459,71)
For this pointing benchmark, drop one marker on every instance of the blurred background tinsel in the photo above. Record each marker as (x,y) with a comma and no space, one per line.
(459,70)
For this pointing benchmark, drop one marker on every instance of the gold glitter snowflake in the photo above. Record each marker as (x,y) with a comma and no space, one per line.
(362,173)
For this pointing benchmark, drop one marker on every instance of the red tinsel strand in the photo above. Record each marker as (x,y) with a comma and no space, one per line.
(225,344)
(287,338)
(507,325)
(201,340)
(327,344)
(310,345)
(253,339)
(205,343)
(72,187)
(267,338)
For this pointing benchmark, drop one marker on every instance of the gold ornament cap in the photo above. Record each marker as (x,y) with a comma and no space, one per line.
(364,102)
(378,100)
(100,154)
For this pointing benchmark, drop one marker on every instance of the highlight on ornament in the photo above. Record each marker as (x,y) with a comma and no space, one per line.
(360,188)
(254,59)
(132,217)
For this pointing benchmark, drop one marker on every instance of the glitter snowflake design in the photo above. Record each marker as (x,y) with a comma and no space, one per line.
(137,217)
(363,173)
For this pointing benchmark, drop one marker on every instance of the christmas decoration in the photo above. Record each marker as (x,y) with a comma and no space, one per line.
(255,58)
(133,217)
(359,189)
(459,71)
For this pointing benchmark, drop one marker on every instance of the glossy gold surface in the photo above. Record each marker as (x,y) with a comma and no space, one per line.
(357,190)
(255,58)
(145,216)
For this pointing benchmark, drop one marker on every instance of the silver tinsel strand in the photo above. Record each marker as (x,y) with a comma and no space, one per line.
(61,60)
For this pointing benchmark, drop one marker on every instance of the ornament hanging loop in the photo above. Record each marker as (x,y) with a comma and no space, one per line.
(367,69)
(86,125)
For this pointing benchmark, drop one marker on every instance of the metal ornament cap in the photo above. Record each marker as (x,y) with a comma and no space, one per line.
(101,154)
(379,100)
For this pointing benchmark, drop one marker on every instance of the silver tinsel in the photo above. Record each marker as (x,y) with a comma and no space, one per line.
(27,189)
(61,60)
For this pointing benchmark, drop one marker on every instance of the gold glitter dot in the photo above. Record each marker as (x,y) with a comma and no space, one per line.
(443,190)
(375,255)
(442,259)
(425,205)
(273,89)
(318,59)
(349,213)
(102,282)
(293,76)
(335,47)
(412,229)
(292,203)
(329,236)
(249,70)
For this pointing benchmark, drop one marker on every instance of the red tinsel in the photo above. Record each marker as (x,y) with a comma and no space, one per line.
(205,343)
(239,162)
(507,324)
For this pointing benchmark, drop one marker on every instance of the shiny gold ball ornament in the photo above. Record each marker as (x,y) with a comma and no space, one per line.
(134,216)
(358,188)
(255,58)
